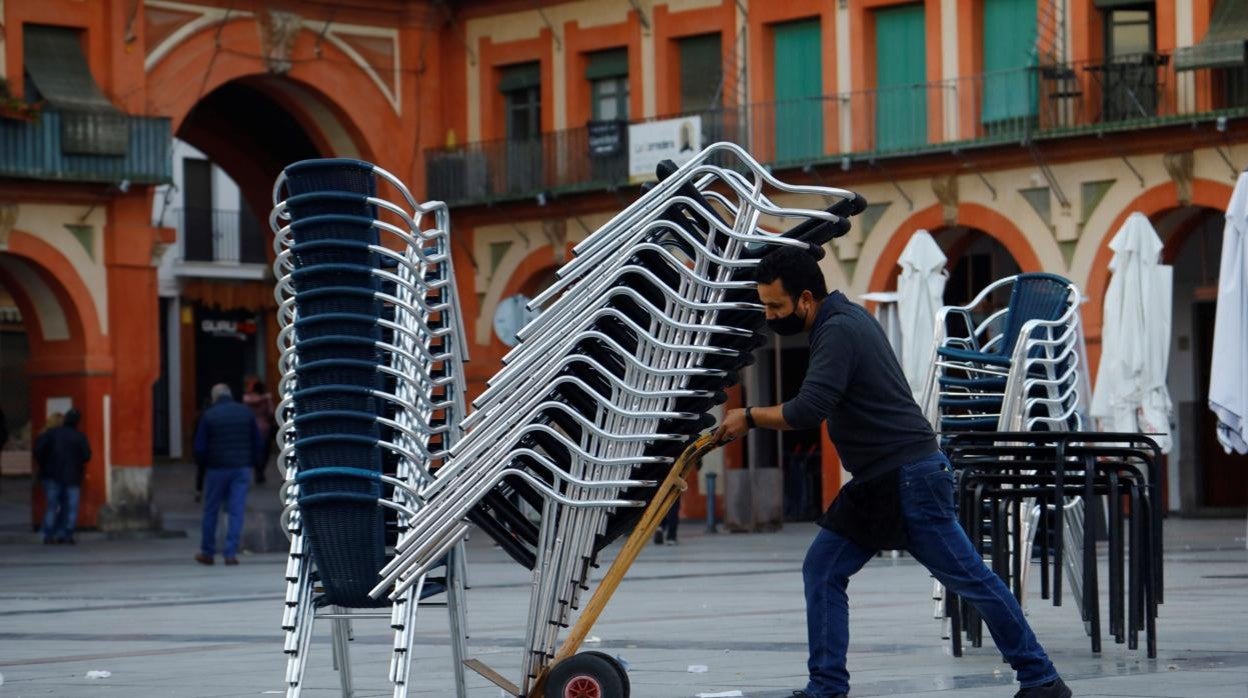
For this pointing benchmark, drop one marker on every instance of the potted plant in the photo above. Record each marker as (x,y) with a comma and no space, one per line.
(13,107)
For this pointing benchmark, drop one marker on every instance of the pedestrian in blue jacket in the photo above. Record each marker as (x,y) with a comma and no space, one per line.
(228,446)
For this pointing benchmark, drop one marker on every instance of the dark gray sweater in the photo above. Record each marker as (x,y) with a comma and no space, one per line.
(855,383)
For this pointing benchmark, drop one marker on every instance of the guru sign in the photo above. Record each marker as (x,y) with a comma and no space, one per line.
(228,329)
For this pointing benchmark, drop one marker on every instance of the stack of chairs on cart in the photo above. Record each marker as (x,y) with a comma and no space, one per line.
(372,396)
(636,342)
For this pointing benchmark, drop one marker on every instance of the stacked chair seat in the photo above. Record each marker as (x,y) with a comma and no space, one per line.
(372,394)
(1048,469)
(636,341)
(1018,369)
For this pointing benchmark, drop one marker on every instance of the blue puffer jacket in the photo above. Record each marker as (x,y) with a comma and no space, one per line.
(228,437)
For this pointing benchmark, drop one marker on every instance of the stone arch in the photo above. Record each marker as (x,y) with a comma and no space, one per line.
(69,354)
(971,215)
(1152,202)
(335,100)
(35,268)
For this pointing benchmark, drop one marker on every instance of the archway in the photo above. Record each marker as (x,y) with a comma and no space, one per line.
(1198,477)
(1203,476)
(975,260)
(50,361)
(219,315)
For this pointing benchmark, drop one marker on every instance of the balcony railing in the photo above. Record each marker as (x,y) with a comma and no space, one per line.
(220,236)
(1042,102)
(34,150)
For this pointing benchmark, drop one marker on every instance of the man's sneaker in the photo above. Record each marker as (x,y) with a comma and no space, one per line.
(1053,689)
(231,561)
(804,694)
(203,559)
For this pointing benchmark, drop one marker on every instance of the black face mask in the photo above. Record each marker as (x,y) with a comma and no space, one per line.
(790,324)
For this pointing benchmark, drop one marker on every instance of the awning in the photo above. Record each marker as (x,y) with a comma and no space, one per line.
(520,76)
(1226,43)
(612,63)
(57,66)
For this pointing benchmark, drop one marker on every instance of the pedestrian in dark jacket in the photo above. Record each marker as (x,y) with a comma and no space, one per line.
(62,453)
(229,445)
(260,401)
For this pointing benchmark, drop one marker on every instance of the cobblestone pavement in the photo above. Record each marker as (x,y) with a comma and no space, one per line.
(164,626)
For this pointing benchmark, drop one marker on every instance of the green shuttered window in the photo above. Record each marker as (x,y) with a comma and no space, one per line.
(901,74)
(798,83)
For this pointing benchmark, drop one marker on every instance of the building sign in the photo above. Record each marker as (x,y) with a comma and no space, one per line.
(606,138)
(651,142)
(225,328)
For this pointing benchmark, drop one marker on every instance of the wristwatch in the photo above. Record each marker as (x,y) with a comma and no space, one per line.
(749,418)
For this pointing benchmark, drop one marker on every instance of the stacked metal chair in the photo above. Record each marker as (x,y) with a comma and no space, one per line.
(372,395)
(1019,368)
(1049,467)
(636,342)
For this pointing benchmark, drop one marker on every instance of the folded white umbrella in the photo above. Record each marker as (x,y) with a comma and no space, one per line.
(1131,393)
(1228,380)
(920,293)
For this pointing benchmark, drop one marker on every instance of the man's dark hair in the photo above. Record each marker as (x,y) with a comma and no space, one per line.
(797,271)
(72,417)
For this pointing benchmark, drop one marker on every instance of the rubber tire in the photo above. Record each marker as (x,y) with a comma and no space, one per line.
(618,667)
(604,670)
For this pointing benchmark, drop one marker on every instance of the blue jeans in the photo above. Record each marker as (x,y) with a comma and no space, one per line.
(61,516)
(226,486)
(939,543)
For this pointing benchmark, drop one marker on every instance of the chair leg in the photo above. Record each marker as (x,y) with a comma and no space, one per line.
(403,620)
(342,651)
(456,613)
(297,619)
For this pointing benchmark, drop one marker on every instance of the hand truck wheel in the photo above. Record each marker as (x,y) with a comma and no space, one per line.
(615,663)
(587,675)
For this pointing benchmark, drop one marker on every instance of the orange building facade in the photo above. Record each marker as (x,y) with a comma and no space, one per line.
(1026,160)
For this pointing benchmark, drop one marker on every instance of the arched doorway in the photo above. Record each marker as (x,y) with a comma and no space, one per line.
(976,260)
(218,310)
(50,349)
(15,410)
(1202,476)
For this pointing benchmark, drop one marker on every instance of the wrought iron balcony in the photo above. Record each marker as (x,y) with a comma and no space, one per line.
(36,149)
(1017,106)
(211,240)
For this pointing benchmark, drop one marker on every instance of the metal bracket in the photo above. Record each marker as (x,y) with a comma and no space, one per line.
(554,33)
(320,36)
(641,14)
(1121,156)
(1226,157)
(871,163)
(1048,174)
(967,162)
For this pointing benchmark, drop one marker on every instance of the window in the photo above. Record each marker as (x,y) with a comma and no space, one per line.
(607,73)
(798,73)
(900,78)
(1009,87)
(701,73)
(522,101)
(520,85)
(1129,89)
(1129,31)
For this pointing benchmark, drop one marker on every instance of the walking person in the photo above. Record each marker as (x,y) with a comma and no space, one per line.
(260,401)
(61,453)
(901,494)
(228,444)
(665,534)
